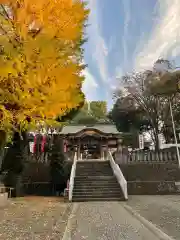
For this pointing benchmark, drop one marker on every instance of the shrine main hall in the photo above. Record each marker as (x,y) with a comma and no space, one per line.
(91,141)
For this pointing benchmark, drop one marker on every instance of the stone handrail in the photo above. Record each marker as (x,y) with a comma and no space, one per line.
(73,173)
(119,175)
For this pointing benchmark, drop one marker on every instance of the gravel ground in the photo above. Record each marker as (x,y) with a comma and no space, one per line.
(162,211)
(105,221)
(34,218)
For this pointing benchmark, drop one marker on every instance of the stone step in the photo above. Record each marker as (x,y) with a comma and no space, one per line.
(98,181)
(111,186)
(94,169)
(105,165)
(110,194)
(96,199)
(86,163)
(94,174)
(95,183)
(98,196)
(93,161)
(95,186)
(96,177)
(95,192)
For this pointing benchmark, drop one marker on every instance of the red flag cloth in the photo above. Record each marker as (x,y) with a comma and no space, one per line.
(34,146)
(68,184)
(65,146)
(43,143)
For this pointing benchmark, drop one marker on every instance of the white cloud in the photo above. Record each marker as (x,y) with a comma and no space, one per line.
(165,38)
(118,72)
(98,45)
(127,18)
(89,86)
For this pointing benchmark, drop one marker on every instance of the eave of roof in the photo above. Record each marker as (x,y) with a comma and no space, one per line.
(104,128)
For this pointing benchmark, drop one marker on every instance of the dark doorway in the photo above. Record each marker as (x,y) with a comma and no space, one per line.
(90,147)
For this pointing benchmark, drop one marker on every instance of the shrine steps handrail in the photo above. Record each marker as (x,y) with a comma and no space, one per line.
(119,175)
(72,176)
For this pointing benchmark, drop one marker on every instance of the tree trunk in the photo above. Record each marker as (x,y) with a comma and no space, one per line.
(2,145)
(156,144)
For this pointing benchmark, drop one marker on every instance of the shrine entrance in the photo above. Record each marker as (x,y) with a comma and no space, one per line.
(90,142)
(90,147)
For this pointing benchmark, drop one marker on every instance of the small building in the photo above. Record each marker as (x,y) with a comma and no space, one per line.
(92,141)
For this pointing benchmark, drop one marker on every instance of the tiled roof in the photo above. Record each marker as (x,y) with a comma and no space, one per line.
(105,128)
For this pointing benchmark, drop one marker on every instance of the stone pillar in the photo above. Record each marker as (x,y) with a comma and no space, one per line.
(105,148)
(119,157)
(119,145)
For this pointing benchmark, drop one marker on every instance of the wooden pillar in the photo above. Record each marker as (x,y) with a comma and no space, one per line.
(78,149)
(73,146)
(106,149)
(101,148)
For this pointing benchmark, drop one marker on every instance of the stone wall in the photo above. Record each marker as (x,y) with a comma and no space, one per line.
(151,172)
(152,188)
(148,179)
(36,172)
(37,178)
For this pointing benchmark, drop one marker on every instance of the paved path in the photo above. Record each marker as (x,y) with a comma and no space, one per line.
(105,221)
(163,211)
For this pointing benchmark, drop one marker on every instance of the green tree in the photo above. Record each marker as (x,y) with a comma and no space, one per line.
(99,109)
(129,119)
(91,113)
(165,84)
(154,107)
(57,164)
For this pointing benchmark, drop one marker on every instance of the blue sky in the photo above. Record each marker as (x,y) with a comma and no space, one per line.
(127,35)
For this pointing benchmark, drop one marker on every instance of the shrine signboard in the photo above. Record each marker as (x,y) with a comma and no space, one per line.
(89,133)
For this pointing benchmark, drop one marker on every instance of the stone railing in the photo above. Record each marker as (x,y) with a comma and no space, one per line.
(72,176)
(141,156)
(118,174)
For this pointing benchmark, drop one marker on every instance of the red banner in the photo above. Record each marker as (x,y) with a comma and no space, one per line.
(43,143)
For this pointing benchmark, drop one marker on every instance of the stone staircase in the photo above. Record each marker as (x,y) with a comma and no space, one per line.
(94,181)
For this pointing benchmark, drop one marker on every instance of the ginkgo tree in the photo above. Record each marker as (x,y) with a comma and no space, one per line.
(40,68)
(40,60)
